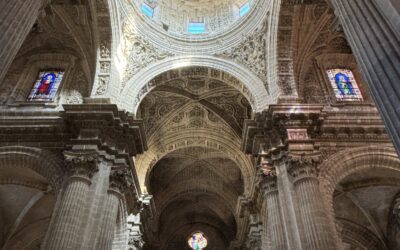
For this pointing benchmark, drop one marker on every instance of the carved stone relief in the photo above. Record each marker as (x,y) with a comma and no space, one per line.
(193,75)
(251,52)
(137,52)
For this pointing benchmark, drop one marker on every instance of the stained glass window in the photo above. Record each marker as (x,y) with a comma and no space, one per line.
(147,10)
(344,85)
(244,9)
(46,86)
(197,241)
(196,27)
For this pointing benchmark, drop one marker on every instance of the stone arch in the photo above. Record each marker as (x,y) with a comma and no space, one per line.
(207,139)
(171,194)
(138,86)
(359,235)
(41,161)
(345,163)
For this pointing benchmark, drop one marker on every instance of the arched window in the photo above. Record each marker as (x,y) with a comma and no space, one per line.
(344,85)
(244,9)
(147,10)
(196,27)
(197,241)
(46,86)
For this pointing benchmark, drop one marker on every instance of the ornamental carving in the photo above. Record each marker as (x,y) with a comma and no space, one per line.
(251,52)
(303,166)
(138,52)
(120,179)
(297,134)
(83,164)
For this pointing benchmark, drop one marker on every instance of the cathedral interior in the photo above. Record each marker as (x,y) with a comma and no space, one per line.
(200,124)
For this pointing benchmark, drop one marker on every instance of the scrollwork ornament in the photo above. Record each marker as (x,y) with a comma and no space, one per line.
(251,52)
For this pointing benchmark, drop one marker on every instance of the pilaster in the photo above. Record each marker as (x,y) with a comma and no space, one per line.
(100,142)
(274,226)
(317,234)
(119,181)
(278,138)
(65,231)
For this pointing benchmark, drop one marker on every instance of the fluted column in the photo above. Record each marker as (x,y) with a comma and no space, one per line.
(274,223)
(65,232)
(371,27)
(120,180)
(317,233)
(16,20)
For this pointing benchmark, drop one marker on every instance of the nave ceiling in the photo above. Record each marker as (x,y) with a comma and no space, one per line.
(194,95)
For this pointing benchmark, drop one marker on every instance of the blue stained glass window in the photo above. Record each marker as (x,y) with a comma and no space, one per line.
(46,86)
(344,85)
(147,10)
(244,9)
(196,28)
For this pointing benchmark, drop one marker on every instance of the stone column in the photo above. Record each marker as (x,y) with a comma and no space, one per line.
(119,181)
(375,41)
(317,232)
(65,232)
(16,20)
(274,223)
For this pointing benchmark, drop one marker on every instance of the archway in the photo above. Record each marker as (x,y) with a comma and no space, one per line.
(359,186)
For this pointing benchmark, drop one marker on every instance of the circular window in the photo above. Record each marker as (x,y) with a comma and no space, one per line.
(197,241)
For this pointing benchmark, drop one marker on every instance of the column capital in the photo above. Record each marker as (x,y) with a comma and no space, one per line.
(267,180)
(81,164)
(120,180)
(303,166)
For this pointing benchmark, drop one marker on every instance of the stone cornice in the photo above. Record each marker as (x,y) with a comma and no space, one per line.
(117,130)
(297,125)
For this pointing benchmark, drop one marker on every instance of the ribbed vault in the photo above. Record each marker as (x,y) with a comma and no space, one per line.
(194,167)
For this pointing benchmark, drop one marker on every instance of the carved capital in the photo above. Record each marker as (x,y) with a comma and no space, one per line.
(83,164)
(267,183)
(303,166)
(120,179)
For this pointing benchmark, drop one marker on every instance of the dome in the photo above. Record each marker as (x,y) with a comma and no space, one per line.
(195,18)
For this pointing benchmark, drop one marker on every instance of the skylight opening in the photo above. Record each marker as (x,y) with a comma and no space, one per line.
(196,27)
(147,10)
(244,9)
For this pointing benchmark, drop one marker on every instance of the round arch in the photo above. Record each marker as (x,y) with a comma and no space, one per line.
(345,163)
(138,86)
(195,138)
(41,161)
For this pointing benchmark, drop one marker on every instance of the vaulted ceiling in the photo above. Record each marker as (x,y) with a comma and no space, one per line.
(195,184)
